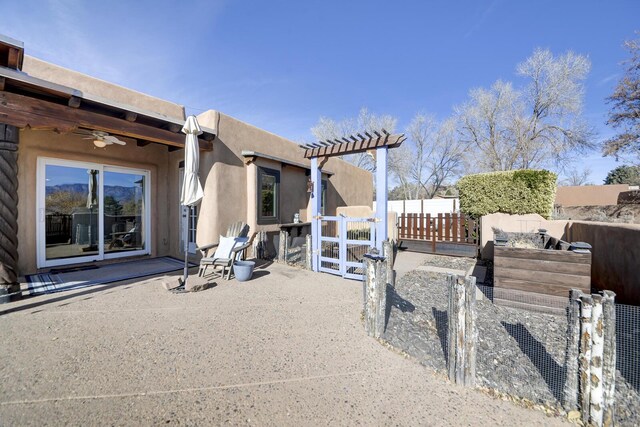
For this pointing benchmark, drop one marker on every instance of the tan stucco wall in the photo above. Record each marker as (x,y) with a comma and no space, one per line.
(34,144)
(589,195)
(616,257)
(615,248)
(230,185)
(516,224)
(87,84)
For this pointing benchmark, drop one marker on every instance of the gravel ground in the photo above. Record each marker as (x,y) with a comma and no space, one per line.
(520,353)
(285,348)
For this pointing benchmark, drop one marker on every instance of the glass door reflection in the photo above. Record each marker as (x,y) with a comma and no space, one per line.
(71,208)
(124,211)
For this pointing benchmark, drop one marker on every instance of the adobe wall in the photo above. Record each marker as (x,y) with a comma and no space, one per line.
(529,223)
(87,84)
(589,195)
(34,144)
(616,257)
(616,248)
(230,184)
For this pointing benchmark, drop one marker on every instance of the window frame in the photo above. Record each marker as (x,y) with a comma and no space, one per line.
(262,171)
(323,196)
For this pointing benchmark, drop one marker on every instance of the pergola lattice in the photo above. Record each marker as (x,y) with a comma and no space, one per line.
(353,144)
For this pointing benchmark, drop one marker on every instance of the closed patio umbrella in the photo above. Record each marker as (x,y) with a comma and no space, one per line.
(191,189)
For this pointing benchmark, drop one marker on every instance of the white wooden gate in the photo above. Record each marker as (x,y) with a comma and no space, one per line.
(343,243)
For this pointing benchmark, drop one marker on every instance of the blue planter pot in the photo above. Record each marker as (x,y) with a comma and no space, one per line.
(243,270)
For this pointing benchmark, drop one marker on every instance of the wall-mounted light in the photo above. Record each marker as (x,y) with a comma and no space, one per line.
(309,185)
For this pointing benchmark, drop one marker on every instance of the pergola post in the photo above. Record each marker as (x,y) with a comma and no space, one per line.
(381,197)
(381,142)
(316,188)
(9,138)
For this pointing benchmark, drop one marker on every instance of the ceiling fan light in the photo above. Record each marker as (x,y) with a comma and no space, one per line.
(99,143)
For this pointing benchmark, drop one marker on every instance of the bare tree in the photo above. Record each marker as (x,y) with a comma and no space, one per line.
(436,154)
(538,126)
(576,177)
(625,113)
(329,129)
(486,123)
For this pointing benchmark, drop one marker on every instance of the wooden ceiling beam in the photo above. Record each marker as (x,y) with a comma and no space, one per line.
(13,58)
(74,102)
(23,111)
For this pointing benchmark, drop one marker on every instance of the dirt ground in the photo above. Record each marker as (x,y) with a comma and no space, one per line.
(286,348)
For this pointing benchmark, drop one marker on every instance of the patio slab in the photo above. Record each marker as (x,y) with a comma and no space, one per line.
(286,348)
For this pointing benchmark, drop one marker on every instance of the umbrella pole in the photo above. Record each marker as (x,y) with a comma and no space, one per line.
(186,246)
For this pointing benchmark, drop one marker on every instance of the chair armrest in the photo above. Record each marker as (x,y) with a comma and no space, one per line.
(205,247)
(241,248)
(244,245)
(204,250)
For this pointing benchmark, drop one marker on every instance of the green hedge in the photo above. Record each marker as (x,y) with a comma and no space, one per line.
(513,192)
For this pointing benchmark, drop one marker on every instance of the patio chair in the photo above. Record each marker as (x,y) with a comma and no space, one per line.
(231,247)
(125,239)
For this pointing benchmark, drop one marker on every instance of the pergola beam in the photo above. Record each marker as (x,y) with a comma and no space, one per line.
(352,144)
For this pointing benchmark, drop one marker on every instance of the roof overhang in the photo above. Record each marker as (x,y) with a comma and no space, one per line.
(31,102)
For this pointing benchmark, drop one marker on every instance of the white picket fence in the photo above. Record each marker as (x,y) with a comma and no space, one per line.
(426,206)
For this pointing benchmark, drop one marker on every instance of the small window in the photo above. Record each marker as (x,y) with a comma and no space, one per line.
(268,195)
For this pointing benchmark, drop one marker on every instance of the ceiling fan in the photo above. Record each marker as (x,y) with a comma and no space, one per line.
(100,139)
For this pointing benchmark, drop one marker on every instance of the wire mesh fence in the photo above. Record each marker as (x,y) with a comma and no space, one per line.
(627,364)
(522,340)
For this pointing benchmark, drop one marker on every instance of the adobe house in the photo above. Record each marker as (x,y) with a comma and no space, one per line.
(71,193)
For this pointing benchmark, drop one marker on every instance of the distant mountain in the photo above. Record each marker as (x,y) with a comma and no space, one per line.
(118,192)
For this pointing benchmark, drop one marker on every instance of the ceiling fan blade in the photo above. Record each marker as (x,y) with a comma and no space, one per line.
(109,139)
(80,131)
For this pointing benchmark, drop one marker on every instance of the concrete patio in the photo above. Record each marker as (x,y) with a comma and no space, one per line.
(286,348)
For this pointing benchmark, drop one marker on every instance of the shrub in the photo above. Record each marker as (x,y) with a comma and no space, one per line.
(512,192)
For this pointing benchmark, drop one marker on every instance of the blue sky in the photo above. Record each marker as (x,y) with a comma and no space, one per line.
(280,65)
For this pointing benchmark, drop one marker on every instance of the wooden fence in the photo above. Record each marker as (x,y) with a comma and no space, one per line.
(58,228)
(444,233)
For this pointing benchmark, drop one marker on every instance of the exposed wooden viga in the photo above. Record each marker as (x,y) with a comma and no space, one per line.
(353,144)
(9,139)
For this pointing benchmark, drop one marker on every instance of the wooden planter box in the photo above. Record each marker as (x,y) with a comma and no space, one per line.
(523,276)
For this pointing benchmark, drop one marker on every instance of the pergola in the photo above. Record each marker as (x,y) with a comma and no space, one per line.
(379,143)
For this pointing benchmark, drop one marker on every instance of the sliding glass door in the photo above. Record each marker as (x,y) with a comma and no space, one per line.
(90,212)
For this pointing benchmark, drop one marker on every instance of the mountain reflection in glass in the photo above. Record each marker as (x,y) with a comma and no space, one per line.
(71,212)
(74,197)
(123,211)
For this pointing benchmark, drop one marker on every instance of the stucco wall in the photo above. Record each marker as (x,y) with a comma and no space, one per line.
(34,144)
(230,185)
(616,257)
(516,224)
(87,84)
(589,195)
(615,248)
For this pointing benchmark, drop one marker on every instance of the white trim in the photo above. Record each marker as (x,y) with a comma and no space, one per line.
(42,162)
